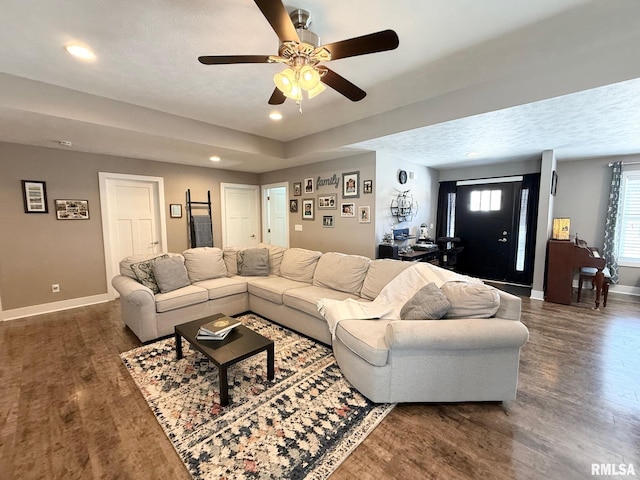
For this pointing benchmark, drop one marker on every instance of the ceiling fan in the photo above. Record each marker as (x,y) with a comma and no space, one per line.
(301,52)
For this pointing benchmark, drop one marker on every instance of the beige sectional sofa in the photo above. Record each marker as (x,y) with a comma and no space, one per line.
(390,360)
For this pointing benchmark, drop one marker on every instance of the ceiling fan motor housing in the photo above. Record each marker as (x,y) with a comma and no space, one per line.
(301,20)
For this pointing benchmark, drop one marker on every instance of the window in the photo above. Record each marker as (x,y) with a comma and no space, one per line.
(485,200)
(522,230)
(629,239)
(451,215)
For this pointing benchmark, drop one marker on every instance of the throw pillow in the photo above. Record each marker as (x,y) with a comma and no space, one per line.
(170,274)
(471,300)
(204,263)
(144,273)
(429,303)
(253,262)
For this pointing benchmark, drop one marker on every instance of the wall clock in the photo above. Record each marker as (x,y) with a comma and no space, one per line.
(402,176)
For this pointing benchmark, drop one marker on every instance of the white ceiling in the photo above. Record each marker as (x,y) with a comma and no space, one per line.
(504,79)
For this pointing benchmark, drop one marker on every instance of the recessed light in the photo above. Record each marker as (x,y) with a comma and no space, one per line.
(80,52)
(473,154)
(215,158)
(275,116)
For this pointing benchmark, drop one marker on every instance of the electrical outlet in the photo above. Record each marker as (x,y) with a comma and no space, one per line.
(55,288)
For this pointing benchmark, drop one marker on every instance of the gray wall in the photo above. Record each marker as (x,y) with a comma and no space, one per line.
(36,250)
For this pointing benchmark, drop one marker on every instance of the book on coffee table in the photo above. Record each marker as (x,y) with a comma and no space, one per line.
(217,329)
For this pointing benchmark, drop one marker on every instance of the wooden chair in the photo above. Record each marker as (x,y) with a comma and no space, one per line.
(589,274)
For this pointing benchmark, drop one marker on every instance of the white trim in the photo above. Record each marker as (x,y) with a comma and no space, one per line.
(484,181)
(265,188)
(104,210)
(537,295)
(53,307)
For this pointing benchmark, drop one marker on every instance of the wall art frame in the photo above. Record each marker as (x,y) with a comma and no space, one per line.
(308,212)
(367,186)
(293,205)
(364,214)
(351,185)
(348,210)
(328,221)
(72,209)
(34,195)
(297,189)
(175,210)
(308,185)
(328,201)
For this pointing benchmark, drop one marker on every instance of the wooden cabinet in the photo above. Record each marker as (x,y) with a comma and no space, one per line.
(559,282)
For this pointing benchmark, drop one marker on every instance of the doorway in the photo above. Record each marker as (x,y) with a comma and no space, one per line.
(133,219)
(275,217)
(495,220)
(240,205)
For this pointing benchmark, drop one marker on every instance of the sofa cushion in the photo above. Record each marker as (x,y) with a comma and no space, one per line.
(125,263)
(224,286)
(340,271)
(144,273)
(183,297)
(170,273)
(203,263)
(275,257)
(429,303)
(299,264)
(230,257)
(272,288)
(253,262)
(471,300)
(380,273)
(365,338)
(306,299)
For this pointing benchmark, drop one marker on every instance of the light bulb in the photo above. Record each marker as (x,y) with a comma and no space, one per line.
(309,77)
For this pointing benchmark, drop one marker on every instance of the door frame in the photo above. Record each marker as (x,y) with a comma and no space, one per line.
(265,191)
(104,179)
(223,205)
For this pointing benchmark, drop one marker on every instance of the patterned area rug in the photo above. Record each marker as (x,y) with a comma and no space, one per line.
(303,424)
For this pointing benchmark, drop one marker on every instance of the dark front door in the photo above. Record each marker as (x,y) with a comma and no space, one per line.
(487,227)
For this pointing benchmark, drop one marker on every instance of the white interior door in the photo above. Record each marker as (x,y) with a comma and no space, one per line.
(275,216)
(240,215)
(132,217)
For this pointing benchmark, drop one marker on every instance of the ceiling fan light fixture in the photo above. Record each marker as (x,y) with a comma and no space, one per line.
(309,77)
(317,90)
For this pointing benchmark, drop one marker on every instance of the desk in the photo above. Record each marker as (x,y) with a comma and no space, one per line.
(419,255)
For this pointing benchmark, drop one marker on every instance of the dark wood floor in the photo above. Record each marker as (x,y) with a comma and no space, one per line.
(68,408)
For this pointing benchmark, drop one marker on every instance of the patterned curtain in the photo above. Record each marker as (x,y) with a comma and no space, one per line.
(611,227)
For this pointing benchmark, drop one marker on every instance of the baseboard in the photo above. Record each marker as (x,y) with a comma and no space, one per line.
(537,295)
(52,307)
(622,289)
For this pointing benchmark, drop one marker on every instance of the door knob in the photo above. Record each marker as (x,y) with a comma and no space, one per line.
(503,240)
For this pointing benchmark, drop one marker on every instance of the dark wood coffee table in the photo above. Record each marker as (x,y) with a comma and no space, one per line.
(240,344)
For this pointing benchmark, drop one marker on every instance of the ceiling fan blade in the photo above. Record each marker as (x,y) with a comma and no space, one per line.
(278,18)
(371,43)
(343,86)
(277,97)
(228,59)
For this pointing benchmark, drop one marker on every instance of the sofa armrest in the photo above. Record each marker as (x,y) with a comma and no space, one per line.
(132,291)
(459,334)
(510,306)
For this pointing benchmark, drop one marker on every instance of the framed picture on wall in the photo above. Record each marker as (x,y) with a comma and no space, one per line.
(367,186)
(72,209)
(364,214)
(34,195)
(328,202)
(327,221)
(307,209)
(175,210)
(350,185)
(308,185)
(297,189)
(293,205)
(348,210)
